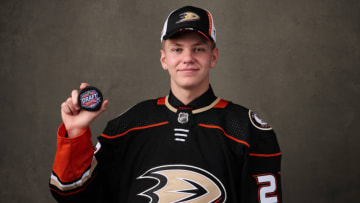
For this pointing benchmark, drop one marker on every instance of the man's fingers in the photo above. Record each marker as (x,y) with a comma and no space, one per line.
(74,97)
(103,105)
(83,85)
(71,106)
(65,108)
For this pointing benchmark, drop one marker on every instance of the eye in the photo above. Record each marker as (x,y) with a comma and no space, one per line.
(199,49)
(176,49)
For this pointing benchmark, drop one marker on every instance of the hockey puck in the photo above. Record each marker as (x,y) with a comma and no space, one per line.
(90,98)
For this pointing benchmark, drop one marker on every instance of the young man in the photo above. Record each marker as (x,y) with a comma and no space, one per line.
(189,146)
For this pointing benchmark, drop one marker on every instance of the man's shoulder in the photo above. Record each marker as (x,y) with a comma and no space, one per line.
(141,114)
(239,111)
(140,109)
(237,107)
(242,123)
(144,105)
(234,110)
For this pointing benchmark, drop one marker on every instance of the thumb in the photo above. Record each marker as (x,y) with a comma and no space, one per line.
(103,105)
(91,115)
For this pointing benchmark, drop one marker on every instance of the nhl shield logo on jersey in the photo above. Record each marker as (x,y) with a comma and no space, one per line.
(183,117)
(183,183)
(257,122)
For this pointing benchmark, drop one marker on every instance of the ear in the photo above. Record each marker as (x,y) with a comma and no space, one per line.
(163,59)
(214,57)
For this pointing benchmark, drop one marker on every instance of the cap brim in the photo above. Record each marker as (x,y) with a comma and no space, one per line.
(182,29)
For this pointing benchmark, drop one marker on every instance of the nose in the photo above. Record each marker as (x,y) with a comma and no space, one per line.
(188,56)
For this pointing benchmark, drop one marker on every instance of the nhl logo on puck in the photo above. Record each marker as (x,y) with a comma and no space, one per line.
(183,117)
(90,99)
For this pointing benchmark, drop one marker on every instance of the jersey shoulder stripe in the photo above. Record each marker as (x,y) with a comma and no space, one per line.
(227,135)
(146,114)
(133,129)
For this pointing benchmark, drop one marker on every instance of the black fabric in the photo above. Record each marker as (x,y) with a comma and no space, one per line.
(204,100)
(216,144)
(175,25)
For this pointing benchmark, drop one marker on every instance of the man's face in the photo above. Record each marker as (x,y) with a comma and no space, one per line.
(188,57)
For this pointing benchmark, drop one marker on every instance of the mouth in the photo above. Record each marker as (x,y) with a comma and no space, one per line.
(188,70)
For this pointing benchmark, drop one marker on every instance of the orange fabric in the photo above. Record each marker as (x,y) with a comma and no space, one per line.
(73,155)
(227,135)
(210,22)
(221,104)
(161,101)
(132,129)
(265,155)
(204,35)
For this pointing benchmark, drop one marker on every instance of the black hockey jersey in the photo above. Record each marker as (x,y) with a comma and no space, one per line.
(162,151)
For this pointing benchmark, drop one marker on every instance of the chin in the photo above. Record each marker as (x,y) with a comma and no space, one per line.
(189,85)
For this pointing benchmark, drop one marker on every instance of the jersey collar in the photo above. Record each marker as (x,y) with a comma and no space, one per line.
(200,104)
(204,100)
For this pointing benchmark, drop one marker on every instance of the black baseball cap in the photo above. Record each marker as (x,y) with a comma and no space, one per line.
(189,18)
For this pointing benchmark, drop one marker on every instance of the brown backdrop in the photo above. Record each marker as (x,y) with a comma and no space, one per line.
(296,63)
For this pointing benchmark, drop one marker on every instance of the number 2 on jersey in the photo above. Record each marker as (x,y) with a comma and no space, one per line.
(267,188)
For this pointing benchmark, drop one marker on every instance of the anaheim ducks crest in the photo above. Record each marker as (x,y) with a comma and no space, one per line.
(188,16)
(183,183)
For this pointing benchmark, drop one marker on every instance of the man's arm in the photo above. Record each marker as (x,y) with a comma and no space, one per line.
(73,168)
(74,171)
(263,164)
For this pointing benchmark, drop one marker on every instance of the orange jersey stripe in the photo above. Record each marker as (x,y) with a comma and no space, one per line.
(227,135)
(161,101)
(221,104)
(265,155)
(136,128)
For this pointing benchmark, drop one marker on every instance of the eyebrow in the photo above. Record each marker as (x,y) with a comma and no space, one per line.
(196,44)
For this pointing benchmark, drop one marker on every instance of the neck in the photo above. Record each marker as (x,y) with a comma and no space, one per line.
(188,95)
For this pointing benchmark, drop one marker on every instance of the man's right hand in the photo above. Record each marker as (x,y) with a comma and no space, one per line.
(75,119)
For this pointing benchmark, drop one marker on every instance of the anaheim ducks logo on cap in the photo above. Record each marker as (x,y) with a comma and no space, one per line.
(183,183)
(188,16)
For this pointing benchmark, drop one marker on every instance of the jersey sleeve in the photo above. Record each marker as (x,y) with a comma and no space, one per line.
(82,172)
(77,175)
(264,163)
(73,168)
